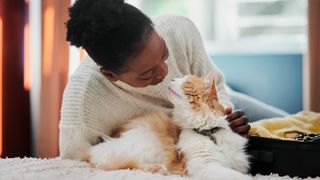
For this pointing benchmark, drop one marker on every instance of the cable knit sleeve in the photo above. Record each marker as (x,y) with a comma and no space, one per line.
(200,63)
(80,126)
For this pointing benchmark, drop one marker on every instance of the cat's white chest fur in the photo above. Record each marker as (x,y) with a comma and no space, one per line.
(223,159)
(201,151)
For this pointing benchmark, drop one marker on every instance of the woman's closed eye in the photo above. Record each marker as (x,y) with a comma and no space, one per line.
(146,76)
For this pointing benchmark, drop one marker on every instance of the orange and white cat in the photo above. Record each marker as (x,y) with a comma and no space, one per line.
(196,141)
(212,150)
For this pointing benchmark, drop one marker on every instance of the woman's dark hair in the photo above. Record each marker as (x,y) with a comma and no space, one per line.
(111,31)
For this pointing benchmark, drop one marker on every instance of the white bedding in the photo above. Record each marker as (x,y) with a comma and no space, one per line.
(54,169)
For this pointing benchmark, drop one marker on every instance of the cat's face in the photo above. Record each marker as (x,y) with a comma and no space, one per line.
(193,92)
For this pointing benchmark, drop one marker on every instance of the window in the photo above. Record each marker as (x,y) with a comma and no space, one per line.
(240,25)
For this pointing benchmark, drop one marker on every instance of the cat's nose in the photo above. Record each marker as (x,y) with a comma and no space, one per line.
(173,80)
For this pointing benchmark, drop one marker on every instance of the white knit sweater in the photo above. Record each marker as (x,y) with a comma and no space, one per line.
(93,106)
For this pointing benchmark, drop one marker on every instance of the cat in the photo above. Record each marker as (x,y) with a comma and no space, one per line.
(196,141)
(212,150)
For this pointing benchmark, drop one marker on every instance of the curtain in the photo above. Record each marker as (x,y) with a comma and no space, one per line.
(314,55)
(54,74)
(1,83)
(15,104)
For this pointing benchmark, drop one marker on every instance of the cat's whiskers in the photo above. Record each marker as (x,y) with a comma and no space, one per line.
(175,93)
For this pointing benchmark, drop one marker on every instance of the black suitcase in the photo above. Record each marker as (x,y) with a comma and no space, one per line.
(284,157)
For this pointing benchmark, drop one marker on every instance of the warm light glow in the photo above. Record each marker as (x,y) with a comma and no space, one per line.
(48,31)
(27,63)
(1,55)
(82,53)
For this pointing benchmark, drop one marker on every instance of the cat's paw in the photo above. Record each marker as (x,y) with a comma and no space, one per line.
(157,168)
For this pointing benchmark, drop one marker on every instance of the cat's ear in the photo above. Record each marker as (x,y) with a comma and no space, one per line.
(210,86)
(208,81)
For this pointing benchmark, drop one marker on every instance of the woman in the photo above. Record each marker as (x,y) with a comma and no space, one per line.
(131,61)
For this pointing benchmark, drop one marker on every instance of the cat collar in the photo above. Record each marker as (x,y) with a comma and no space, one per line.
(208,132)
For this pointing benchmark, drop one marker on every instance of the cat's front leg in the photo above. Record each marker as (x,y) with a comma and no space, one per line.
(155,168)
(197,150)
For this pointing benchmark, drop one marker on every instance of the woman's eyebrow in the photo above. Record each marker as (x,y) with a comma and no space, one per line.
(165,49)
(164,46)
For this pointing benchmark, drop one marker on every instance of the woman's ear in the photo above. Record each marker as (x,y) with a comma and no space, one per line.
(108,74)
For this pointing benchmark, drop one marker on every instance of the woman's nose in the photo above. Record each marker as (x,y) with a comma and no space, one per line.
(162,71)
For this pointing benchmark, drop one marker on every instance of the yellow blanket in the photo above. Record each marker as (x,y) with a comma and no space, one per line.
(305,122)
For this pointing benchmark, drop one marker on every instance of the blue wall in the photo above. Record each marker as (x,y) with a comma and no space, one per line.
(274,79)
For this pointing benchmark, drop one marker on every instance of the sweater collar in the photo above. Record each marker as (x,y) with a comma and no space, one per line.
(127,87)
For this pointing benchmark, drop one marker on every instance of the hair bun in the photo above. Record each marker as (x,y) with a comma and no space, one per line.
(91,19)
(109,11)
(117,5)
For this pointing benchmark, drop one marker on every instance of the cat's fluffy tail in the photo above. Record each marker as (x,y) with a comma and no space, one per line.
(106,157)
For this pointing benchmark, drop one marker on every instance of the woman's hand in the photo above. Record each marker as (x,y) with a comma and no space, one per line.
(238,121)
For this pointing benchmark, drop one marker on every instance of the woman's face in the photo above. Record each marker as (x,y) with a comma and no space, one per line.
(149,67)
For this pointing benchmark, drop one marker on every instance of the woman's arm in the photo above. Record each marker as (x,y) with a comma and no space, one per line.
(81,125)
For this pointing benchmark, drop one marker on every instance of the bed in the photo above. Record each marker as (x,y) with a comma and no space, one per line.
(56,168)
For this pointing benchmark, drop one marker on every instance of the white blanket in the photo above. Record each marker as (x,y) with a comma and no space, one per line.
(56,169)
